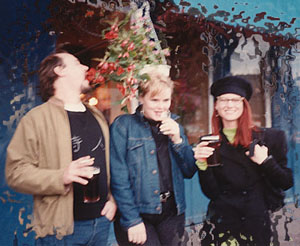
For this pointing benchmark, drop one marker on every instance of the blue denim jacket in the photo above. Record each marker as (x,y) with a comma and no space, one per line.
(134,168)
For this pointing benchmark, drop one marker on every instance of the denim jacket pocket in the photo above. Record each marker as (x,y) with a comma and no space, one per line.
(134,143)
(134,152)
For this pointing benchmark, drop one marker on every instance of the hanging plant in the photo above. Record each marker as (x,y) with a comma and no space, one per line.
(130,49)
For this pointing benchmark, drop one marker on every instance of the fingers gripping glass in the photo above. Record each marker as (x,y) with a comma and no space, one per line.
(164,115)
(213,141)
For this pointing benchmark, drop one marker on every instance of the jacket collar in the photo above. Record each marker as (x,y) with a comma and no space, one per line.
(56,101)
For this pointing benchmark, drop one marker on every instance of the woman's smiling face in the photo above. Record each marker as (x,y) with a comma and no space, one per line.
(230,108)
(154,106)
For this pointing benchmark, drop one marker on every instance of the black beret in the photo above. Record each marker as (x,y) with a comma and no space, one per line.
(231,84)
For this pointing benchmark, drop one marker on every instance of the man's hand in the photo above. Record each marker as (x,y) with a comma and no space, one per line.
(137,234)
(109,210)
(79,171)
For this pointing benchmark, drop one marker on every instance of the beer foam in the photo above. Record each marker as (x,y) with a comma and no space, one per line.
(210,138)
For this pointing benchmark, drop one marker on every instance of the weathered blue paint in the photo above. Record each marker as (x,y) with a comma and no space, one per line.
(244,13)
(24,43)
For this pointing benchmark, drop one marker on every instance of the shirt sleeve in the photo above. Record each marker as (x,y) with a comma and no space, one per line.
(275,167)
(120,179)
(185,156)
(22,170)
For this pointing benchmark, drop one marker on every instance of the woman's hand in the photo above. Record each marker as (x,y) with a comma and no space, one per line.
(260,154)
(202,151)
(171,128)
(137,234)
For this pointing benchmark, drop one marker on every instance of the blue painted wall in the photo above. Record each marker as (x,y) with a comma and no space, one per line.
(24,43)
(243,12)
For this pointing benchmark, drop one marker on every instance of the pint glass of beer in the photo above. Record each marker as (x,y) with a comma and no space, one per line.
(91,190)
(214,142)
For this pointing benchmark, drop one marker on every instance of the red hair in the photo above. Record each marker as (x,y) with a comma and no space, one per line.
(245,126)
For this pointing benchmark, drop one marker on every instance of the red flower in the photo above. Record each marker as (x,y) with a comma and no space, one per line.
(126,55)
(91,73)
(131,67)
(102,67)
(145,41)
(166,52)
(100,79)
(112,66)
(134,81)
(89,13)
(94,76)
(121,88)
(131,47)
(114,28)
(120,71)
(111,35)
(132,92)
(128,81)
(105,65)
(124,43)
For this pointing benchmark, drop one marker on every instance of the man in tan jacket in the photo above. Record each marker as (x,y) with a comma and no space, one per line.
(52,156)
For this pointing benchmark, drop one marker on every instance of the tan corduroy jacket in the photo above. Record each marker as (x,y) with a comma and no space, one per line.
(37,155)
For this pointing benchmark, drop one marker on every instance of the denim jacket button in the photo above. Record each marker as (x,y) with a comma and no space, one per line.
(154,171)
(152,152)
(156,191)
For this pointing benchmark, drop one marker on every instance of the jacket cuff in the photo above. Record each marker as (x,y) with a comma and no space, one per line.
(267,159)
(268,164)
(202,165)
(67,188)
(127,225)
(179,146)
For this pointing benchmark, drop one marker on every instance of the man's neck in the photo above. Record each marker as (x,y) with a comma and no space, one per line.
(71,101)
(66,93)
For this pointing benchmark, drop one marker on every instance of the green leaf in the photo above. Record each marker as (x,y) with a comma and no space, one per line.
(125,109)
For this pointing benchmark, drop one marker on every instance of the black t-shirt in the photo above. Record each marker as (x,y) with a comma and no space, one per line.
(88,139)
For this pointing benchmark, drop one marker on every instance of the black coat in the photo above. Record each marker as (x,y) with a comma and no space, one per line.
(236,190)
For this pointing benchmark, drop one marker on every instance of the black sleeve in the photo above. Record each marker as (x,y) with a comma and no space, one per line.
(208,183)
(275,168)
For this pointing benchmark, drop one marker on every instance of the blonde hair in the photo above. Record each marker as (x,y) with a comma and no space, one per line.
(155,84)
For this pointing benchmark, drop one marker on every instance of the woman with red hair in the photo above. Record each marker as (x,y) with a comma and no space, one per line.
(253,162)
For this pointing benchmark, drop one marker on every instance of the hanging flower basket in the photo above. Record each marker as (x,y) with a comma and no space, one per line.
(130,49)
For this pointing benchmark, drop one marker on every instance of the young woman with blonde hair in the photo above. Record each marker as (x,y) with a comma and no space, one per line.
(150,157)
